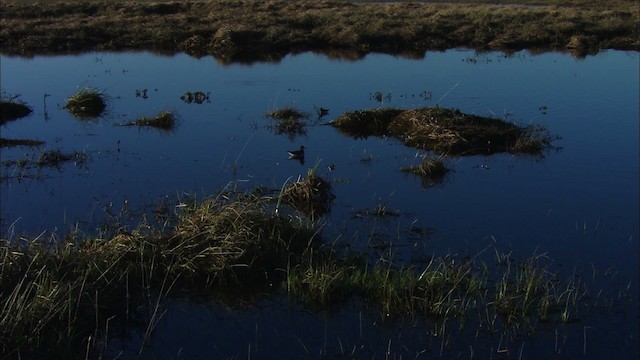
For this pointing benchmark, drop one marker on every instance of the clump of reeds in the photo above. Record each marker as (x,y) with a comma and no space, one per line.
(87,103)
(311,194)
(289,121)
(12,110)
(164,120)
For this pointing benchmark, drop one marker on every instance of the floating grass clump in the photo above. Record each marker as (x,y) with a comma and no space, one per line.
(289,121)
(165,120)
(429,167)
(87,103)
(197,97)
(11,110)
(311,194)
(446,131)
(432,171)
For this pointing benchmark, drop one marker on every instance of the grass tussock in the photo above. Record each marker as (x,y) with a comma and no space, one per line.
(164,120)
(86,103)
(12,110)
(311,195)
(431,168)
(446,131)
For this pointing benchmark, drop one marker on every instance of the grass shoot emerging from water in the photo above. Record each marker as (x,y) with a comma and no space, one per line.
(86,103)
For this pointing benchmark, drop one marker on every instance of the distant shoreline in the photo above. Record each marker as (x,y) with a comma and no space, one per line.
(268,30)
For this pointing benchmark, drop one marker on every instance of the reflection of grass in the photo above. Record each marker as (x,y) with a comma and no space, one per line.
(165,120)
(86,103)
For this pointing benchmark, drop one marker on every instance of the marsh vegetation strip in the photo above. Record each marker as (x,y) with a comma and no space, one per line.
(62,295)
(250,30)
(446,131)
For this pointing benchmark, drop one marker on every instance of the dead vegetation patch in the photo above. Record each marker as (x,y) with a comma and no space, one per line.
(446,131)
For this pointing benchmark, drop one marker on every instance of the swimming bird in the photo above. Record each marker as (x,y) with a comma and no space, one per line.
(297,154)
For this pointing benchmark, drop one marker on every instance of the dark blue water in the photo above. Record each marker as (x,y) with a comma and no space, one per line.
(577,205)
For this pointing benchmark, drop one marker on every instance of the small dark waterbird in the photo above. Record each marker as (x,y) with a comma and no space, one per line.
(297,154)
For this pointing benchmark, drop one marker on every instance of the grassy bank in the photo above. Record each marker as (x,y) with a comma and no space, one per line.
(62,296)
(266,30)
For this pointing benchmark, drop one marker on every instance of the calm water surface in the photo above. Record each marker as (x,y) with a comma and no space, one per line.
(578,205)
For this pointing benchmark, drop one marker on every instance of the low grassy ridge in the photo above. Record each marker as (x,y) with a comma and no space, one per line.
(267,30)
(445,131)
(61,296)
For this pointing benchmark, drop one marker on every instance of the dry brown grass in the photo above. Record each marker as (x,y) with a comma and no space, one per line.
(446,131)
(266,30)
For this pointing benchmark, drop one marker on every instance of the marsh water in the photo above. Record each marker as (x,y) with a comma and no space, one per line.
(578,204)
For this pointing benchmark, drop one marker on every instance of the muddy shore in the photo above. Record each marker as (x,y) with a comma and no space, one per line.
(267,30)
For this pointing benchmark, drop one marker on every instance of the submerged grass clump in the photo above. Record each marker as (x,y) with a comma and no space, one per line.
(446,131)
(11,110)
(4,142)
(164,120)
(56,157)
(86,103)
